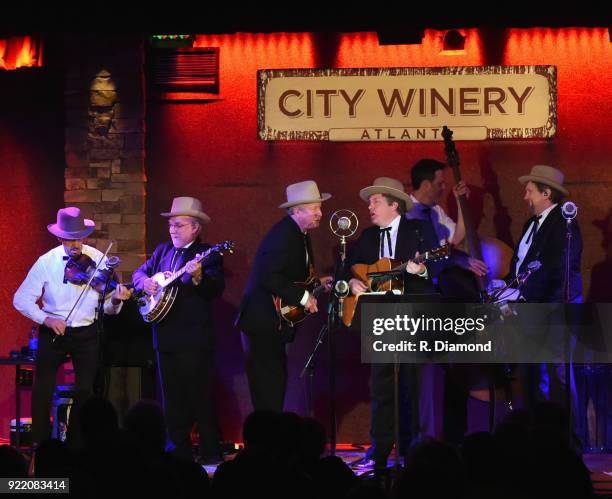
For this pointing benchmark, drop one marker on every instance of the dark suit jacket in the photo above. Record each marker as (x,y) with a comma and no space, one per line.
(189,323)
(367,250)
(280,261)
(546,285)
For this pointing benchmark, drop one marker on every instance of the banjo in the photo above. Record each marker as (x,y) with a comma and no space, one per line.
(154,308)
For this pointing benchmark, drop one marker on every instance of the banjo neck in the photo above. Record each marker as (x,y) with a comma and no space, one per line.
(178,273)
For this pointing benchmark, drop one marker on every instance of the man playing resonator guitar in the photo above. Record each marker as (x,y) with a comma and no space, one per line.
(283,260)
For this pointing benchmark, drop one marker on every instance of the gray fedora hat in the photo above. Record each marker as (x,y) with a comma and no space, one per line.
(187,206)
(71,224)
(304,193)
(387,185)
(546,175)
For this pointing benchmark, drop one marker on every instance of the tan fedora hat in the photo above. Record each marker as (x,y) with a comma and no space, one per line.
(304,193)
(187,206)
(71,224)
(546,175)
(387,185)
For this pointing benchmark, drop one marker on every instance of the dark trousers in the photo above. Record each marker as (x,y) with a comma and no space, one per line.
(382,430)
(266,366)
(543,382)
(455,401)
(83,344)
(186,381)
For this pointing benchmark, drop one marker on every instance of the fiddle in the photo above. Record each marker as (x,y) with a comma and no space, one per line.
(82,270)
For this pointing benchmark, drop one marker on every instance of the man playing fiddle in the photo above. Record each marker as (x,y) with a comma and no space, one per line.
(79,336)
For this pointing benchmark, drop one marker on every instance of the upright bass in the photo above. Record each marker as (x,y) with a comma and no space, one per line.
(495,253)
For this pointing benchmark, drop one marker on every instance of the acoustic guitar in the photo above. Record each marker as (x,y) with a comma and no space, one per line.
(385,275)
(154,308)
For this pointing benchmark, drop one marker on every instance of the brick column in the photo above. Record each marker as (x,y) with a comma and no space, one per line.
(104,146)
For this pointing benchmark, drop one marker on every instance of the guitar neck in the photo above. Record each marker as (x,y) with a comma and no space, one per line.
(422,258)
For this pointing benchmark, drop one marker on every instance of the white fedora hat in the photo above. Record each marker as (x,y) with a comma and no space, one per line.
(187,206)
(387,185)
(547,175)
(304,193)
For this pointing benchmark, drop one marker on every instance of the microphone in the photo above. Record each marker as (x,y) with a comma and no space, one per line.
(569,210)
(341,289)
(344,223)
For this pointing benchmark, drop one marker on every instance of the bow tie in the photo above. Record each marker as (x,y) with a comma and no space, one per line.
(535,218)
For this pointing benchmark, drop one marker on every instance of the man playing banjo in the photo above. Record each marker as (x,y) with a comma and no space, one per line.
(183,338)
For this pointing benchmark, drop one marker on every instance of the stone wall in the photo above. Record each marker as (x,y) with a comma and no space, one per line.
(105,141)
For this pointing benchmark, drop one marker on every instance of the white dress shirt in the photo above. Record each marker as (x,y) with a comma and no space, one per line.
(45,281)
(443,224)
(524,244)
(393,233)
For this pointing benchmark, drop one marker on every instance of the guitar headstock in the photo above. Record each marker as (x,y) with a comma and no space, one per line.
(224,246)
(439,253)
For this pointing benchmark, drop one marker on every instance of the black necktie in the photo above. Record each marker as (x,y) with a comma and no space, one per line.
(386,231)
(534,228)
(178,252)
(307,248)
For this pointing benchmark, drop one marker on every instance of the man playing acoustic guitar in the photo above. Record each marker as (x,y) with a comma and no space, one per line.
(391,236)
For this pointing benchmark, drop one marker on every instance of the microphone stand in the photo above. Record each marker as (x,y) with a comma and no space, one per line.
(567,300)
(309,368)
(334,312)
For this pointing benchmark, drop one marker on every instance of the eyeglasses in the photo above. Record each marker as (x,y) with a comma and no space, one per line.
(177,226)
